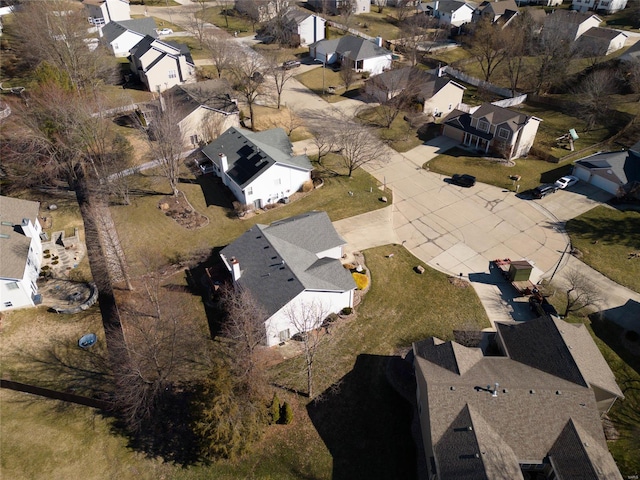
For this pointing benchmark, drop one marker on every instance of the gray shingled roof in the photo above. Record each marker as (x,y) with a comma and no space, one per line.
(279,261)
(297,15)
(446,5)
(149,42)
(494,114)
(143,26)
(15,248)
(572,16)
(399,78)
(354,48)
(624,165)
(499,7)
(212,94)
(250,154)
(601,33)
(526,422)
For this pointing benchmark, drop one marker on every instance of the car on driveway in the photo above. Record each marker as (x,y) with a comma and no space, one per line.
(544,190)
(164,31)
(289,64)
(566,181)
(463,180)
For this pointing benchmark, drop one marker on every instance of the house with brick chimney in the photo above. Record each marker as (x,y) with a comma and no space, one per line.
(290,266)
(258,167)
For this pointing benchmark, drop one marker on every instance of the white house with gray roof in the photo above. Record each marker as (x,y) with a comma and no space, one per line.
(101,12)
(453,13)
(532,407)
(258,167)
(305,27)
(290,265)
(120,37)
(361,54)
(21,249)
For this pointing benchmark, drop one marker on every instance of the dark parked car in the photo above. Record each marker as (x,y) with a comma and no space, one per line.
(543,190)
(463,180)
(289,64)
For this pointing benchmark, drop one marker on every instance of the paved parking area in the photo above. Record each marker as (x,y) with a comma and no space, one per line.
(574,201)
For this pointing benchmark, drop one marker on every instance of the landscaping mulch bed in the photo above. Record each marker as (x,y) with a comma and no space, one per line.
(179,208)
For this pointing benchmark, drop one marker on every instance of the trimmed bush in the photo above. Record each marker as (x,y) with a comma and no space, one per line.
(274,410)
(347,311)
(286,414)
(362,281)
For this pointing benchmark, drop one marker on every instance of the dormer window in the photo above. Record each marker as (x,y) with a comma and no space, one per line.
(504,133)
(483,125)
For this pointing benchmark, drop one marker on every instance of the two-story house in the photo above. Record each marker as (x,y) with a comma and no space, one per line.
(602,6)
(452,13)
(571,24)
(291,265)
(305,27)
(491,128)
(21,257)
(160,64)
(121,36)
(101,12)
(258,167)
(360,54)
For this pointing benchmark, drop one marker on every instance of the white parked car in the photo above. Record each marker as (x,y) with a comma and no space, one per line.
(164,31)
(566,181)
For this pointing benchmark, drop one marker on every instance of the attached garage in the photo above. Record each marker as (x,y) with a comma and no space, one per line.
(609,171)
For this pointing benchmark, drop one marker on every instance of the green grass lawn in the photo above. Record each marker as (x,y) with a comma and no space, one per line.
(606,237)
(314,80)
(375,24)
(532,171)
(231,23)
(400,135)
(165,239)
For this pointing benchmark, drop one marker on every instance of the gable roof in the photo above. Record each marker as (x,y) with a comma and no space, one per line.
(494,114)
(280,261)
(249,154)
(14,244)
(212,94)
(622,166)
(573,17)
(632,53)
(399,78)
(164,48)
(499,7)
(446,5)
(354,48)
(532,416)
(297,15)
(143,26)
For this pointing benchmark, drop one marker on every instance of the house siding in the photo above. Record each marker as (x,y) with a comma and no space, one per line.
(124,43)
(526,137)
(275,183)
(445,100)
(331,302)
(197,123)
(311,30)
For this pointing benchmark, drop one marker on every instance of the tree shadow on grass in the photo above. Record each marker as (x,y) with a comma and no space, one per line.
(215,192)
(366,425)
(616,231)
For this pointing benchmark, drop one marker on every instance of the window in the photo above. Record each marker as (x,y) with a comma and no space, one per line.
(173,74)
(194,139)
(12,286)
(8,304)
(483,125)
(504,133)
(284,335)
(115,46)
(450,106)
(250,191)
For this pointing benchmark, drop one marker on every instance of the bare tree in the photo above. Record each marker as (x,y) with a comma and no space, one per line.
(581,292)
(325,136)
(553,51)
(380,4)
(222,51)
(289,121)
(591,94)
(359,146)
(515,59)
(347,73)
(166,140)
(278,73)
(249,81)
(632,69)
(307,319)
(347,9)
(196,24)
(244,324)
(280,28)
(56,31)
(421,33)
(403,9)
(401,86)
(487,46)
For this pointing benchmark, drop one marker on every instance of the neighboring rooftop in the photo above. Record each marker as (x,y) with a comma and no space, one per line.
(354,48)
(143,26)
(279,261)
(14,244)
(213,94)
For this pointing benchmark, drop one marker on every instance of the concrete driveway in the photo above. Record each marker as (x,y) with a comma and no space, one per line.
(573,201)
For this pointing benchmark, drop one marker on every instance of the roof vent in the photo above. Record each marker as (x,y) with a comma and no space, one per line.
(452,388)
(532,392)
(504,390)
(6,224)
(558,392)
(4,235)
(470,428)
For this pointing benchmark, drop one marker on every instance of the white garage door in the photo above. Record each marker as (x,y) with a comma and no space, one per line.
(581,172)
(604,184)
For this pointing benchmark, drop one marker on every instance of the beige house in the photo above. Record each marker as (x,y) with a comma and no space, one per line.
(206,110)
(530,409)
(493,128)
(160,64)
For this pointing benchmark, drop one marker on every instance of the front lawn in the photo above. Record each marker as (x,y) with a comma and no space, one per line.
(400,135)
(606,238)
(233,22)
(315,80)
(532,171)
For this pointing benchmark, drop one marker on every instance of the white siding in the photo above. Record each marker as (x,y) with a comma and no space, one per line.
(330,302)
(159,77)
(201,121)
(311,30)
(445,100)
(377,65)
(118,10)
(276,182)
(124,43)
(526,139)
(335,252)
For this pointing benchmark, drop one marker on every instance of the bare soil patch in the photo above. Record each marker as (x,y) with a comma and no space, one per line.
(179,208)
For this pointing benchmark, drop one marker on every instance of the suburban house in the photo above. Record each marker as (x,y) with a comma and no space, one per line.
(21,257)
(290,265)
(101,12)
(306,28)
(454,13)
(258,167)
(438,95)
(362,55)
(613,172)
(531,406)
(544,3)
(120,37)
(502,11)
(205,109)
(261,10)
(632,54)
(160,64)
(601,41)
(335,7)
(571,23)
(493,128)
(603,6)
